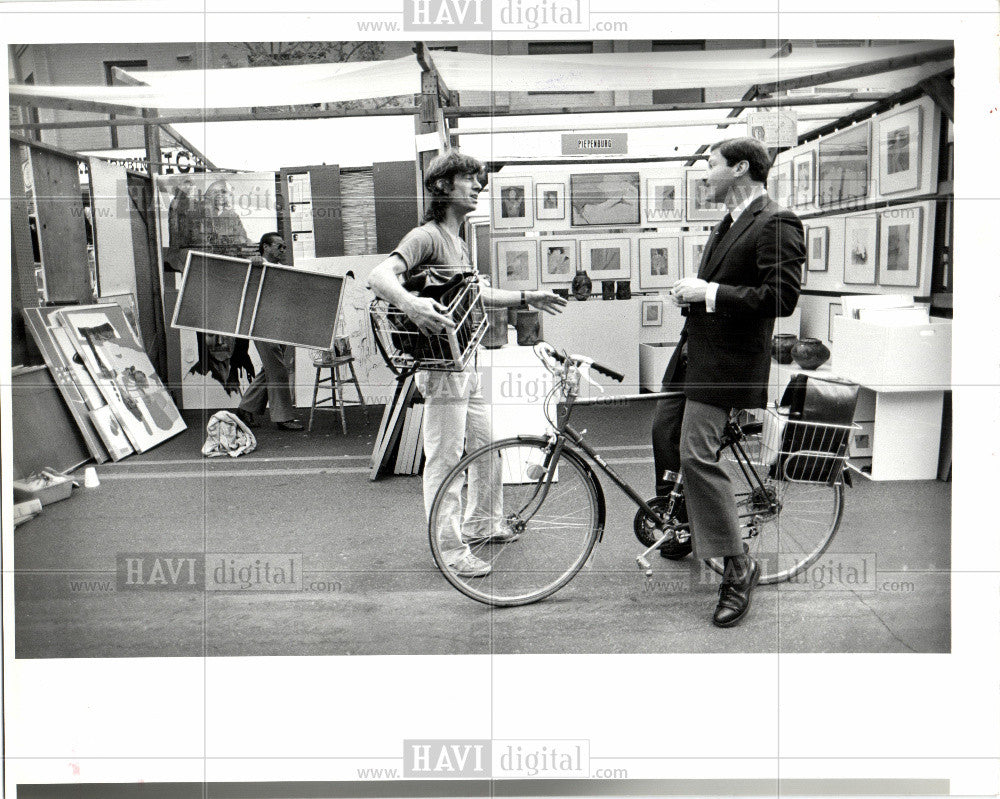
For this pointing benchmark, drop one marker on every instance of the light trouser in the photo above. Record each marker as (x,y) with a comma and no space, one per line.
(457,419)
(271,388)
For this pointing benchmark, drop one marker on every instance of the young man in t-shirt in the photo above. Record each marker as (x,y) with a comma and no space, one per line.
(456,415)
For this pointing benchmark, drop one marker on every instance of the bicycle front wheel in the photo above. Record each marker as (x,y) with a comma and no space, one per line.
(535,535)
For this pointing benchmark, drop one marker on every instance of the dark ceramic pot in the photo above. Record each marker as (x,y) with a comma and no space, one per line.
(781,347)
(810,353)
(528,328)
(581,285)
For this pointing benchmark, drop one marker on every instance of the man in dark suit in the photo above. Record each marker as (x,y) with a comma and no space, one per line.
(749,275)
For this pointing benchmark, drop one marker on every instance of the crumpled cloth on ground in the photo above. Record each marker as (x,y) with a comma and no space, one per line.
(227,435)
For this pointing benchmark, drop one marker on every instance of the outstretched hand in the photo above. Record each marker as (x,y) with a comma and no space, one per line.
(545,301)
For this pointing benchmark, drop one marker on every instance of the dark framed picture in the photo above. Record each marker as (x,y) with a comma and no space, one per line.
(659,262)
(512,203)
(699,207)
(664,200)
(550,200)
(817,245)
(558,260)
(844,171)
(652,313)
(860,249)
(899,137)
(899,247)
(803,179)
(605,198)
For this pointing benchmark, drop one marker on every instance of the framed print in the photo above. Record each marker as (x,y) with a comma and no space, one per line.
(550,201)
(844,169)
(517,264)
(659,262)
(604,259)
(779,183)
(694,247)
(803,179)
(558,260)
(652,313)
(817,244)
(605,198)
(664,200)
(512,203)
(899,247)
(860,249)
(899,137)
(699,207)
(836,309)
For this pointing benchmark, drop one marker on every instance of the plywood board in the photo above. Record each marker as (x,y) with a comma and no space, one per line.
(112,228)
(61,229)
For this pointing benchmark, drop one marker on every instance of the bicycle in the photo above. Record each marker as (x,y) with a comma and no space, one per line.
(790,503)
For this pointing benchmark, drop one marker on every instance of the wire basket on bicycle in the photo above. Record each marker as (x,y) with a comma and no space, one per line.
(405,347)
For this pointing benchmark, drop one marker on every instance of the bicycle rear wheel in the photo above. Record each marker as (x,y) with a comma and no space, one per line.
(788,524)
(557,521)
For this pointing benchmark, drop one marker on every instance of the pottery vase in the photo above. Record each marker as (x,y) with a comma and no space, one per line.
(781,347)
(581,285)
(810,353)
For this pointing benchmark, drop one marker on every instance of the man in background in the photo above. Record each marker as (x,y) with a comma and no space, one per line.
(272,387)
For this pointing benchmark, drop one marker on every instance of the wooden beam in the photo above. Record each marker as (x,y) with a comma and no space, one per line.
(221,116)
(446,96)
(18,97)
(784,102)
(858,70)
(121,75)
(941,90)
(904,96)
(51,148)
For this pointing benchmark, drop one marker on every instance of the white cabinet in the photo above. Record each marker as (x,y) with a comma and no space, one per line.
(899,435)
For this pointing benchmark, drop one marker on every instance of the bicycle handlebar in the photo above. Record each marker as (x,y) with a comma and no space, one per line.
(576,359)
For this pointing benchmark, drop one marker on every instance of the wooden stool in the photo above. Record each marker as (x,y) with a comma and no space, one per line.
(339,357)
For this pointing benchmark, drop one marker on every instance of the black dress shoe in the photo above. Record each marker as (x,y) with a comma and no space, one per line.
(291,424)
(734,594)
(246,417)
(673,549)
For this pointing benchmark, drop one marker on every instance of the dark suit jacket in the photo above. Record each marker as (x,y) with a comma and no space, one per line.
(758,266)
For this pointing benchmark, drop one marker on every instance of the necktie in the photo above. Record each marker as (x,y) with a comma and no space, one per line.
(724,225)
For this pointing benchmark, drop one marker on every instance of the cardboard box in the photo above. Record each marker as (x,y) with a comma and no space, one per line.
(893,358)
(46,486)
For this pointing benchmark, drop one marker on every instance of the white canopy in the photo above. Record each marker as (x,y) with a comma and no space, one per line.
(262,87)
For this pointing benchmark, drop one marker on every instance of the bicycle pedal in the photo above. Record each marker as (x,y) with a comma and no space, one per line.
(644,564)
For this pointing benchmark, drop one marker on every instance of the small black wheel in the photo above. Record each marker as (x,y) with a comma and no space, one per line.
(648,530)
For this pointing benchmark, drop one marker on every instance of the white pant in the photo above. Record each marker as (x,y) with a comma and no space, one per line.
(457,418)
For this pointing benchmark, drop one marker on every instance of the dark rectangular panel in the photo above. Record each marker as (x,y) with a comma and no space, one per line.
(298,308)
(212,293)
(61,227)
(328,224)
(397,208)
(24,290)
(45,434)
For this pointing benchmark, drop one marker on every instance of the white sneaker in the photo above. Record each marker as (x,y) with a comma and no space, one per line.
(468,565)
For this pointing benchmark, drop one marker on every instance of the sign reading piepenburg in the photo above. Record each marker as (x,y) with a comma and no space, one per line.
(496,15)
